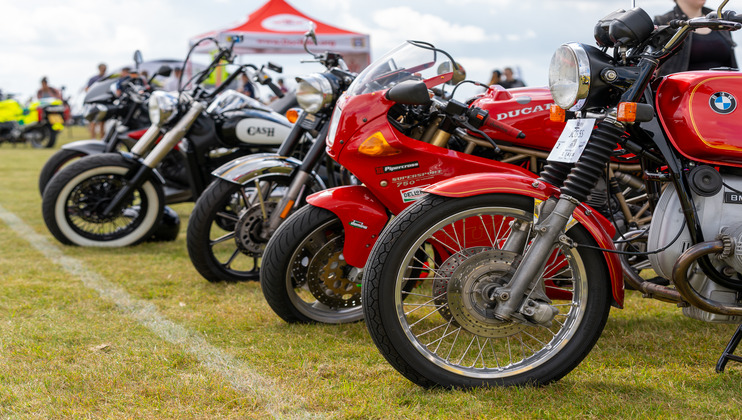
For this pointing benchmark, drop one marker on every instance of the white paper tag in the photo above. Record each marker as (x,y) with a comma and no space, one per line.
(573,140)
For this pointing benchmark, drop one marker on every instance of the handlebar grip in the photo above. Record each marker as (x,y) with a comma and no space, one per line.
(277,90)
(505,128)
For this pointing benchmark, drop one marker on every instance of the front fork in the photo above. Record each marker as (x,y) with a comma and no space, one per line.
(575,187)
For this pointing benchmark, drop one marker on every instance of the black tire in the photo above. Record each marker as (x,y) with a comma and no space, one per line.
(41,136)
(304,276)
(56,162)
(217,250)
(441,335)
(74,198)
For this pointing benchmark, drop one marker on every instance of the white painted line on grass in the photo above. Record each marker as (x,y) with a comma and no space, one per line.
(237,373)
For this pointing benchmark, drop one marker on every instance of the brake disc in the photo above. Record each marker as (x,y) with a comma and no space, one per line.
(470,287)
(330,279)
(249,228)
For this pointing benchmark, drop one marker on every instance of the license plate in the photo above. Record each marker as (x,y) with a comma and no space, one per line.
(56,119)
(573,140)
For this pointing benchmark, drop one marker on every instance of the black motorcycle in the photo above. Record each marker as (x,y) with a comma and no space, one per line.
(117,199)
(251,196)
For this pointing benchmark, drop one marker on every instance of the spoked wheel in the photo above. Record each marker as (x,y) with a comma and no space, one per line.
(225,231)
(443,332)
(304,276)
(76,197)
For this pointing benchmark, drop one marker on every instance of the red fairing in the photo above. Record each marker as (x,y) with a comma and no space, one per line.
(363,217)
(136,135)
(599,227)
(700,113)
(526,109)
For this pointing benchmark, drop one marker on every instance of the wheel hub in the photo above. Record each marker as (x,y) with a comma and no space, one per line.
(93,196)
(470,288)
(249,228)
(330,279)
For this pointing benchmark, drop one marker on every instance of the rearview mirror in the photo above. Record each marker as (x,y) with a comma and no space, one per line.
(409,93)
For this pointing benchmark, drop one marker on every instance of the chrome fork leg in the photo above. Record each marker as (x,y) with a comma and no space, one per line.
(510,297)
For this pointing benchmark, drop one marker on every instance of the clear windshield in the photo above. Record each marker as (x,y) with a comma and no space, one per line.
(412,60)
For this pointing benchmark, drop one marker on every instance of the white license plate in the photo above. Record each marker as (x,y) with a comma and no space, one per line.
(573,140)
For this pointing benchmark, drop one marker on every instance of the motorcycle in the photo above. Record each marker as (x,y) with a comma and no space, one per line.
(38,124)
(117,199)
(496,279)
(129,115)
(251,196)
(397,144)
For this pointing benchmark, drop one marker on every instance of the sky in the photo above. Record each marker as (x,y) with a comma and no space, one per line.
(65,40)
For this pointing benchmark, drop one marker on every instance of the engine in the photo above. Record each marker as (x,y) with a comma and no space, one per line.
(719,208)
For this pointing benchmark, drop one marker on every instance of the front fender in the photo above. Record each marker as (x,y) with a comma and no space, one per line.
(363,217)
(246,168)
(89,147)
(601,229)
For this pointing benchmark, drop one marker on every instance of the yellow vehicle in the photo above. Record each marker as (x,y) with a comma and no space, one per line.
(37,124)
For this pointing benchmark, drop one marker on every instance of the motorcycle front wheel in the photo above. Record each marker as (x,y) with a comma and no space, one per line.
(55,163)
(225,231)
(304,277)
(442,332)
(76,197)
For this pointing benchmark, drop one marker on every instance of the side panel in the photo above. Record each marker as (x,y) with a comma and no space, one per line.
(598,226)
(362,215)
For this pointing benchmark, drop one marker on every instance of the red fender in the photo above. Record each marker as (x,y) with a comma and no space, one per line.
(362,214)
(599,227)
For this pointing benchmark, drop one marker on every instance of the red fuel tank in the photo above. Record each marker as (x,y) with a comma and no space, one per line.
(700,112)
(526,109)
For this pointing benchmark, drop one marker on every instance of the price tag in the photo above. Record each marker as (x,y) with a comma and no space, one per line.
(573,140)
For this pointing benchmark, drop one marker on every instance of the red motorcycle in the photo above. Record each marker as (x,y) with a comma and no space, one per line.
(497,279)
(396,137)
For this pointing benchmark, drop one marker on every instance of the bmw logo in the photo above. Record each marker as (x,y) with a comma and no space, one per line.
(722,102)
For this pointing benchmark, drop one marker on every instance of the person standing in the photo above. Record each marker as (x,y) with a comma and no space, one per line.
(510,80)
(704,49)
(171,84)
(47,91)
(246,86)
(495,79)
(99,125)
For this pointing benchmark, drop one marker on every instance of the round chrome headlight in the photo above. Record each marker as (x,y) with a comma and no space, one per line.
(569,76)
(314,92)
(162,107)
(95,112)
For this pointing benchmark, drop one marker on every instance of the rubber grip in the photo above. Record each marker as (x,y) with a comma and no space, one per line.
(505,128)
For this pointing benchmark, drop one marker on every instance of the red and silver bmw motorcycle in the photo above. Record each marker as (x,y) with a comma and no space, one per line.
(500,279)
(396,137)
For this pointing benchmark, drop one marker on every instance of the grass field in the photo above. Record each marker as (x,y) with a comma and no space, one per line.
(137,333)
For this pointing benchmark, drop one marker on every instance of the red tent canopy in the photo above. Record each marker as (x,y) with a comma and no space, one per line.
(278,28)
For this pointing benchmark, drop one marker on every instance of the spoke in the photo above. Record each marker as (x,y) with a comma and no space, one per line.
(229,216)
(466,351)
(536,339)
(223,238)
(445,334)
(494,354)
(484,226)
(455,339)
(431,330)
(231,258)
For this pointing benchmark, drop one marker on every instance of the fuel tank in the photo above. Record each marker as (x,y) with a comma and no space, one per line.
(252,127)
(526,109)
(700,112)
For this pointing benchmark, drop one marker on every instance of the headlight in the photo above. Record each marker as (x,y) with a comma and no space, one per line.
(569,76)
(334,122)
(95,112)
(315,92)
(162,107)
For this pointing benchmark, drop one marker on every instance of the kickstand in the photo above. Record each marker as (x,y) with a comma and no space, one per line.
(728,352)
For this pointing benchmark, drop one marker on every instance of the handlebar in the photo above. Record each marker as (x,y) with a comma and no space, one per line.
(505,128)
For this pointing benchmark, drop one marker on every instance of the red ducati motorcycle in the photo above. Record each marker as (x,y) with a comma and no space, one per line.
(396,137)
(500,279)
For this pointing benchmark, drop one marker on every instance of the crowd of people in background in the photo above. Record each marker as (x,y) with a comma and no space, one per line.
(506,79)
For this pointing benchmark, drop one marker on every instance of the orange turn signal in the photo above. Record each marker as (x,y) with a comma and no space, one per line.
(376,145)
(292,115)
(626,112)
(557,113)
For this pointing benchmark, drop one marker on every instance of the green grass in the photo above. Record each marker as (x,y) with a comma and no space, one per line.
(65,351)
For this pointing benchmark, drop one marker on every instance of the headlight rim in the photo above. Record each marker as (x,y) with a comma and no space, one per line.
(162,107)
(324,92)
(583,81)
